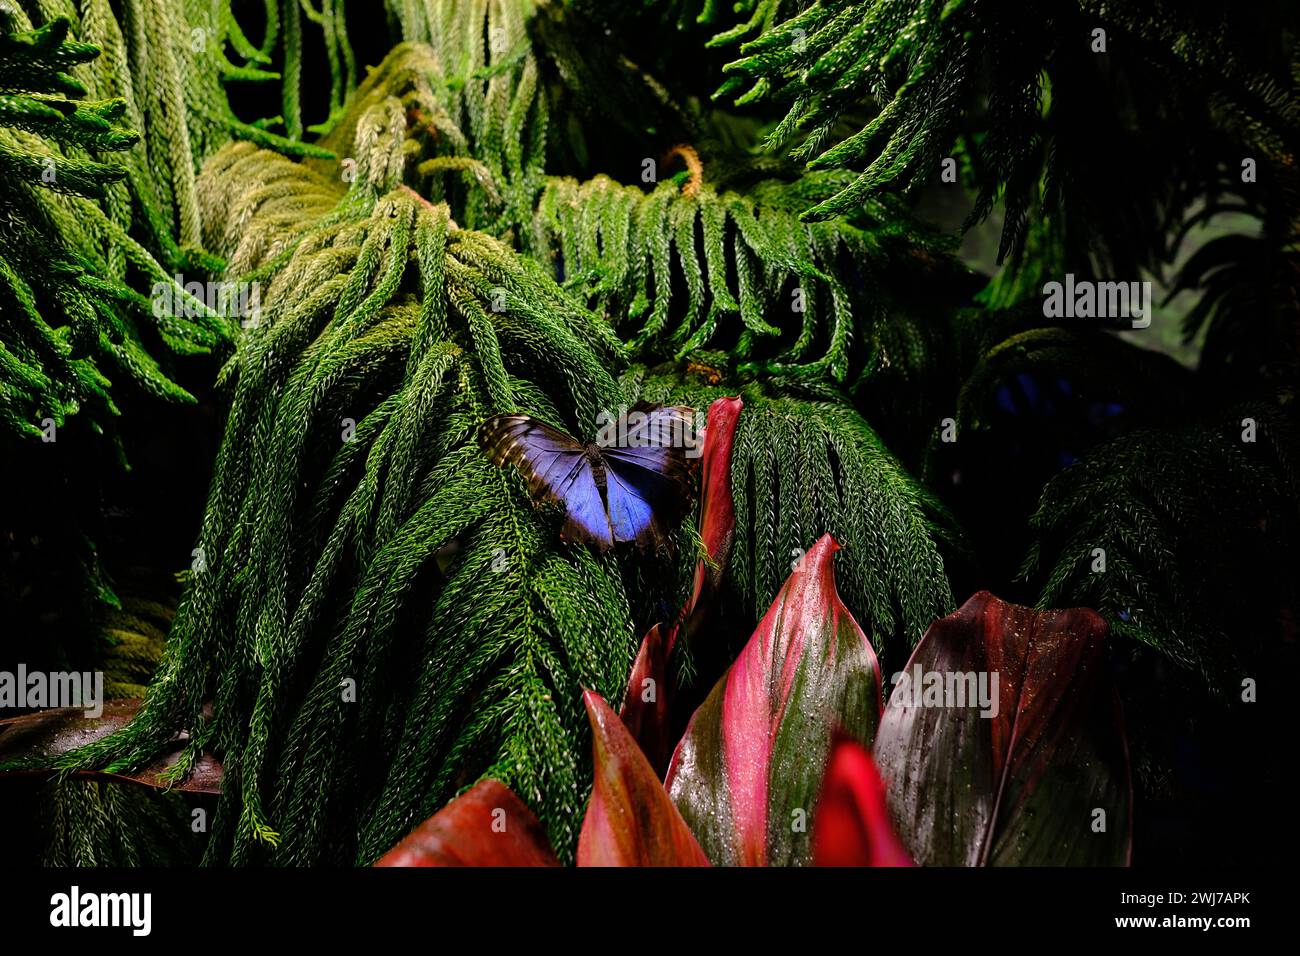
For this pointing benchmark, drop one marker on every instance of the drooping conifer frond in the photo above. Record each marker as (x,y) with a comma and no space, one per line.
(72,320)
(1179,537)
(351,504)
(680,270)
(481,141)
(90,823)
(806,465)
(481,82)
(468,74)
(168,63)
(1044,138)
(1249,291)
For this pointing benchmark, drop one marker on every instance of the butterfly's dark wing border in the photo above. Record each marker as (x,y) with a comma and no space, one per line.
(556,469)
(668,429)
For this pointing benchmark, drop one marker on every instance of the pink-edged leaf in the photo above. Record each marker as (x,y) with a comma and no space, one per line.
(32,745)
(644,710)
(646,707)
(852,825)
(486,825)
(630,821)
(717,510)
(748,771)
(1044,780)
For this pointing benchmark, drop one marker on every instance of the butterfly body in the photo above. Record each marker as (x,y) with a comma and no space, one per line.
(634,489)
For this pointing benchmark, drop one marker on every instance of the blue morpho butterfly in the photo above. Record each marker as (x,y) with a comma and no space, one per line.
(634,488)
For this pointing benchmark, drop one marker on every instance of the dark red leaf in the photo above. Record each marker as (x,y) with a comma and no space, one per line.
(852,824)
(486,825)
(1044,781)
(645,702)
(630,821)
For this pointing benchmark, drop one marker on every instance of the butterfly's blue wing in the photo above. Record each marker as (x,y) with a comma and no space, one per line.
(556,468)
(641,504)
(585,515)
(649,474)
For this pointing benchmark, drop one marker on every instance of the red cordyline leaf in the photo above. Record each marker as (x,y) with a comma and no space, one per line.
(1045,780)
(645,702)
(630,821)
(485,826)
(645,708)
(852,824)
(749,769)
(717,510)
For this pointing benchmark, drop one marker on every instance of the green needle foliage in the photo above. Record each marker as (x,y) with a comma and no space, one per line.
(70,319)
(86,248)
(1196,525)
(687,268)
(108,233)
(352,506)
(35,100)
(168,63)
(85,251)
(1097,166)
(804,465)
(500,93)
(90,823)
(481,143)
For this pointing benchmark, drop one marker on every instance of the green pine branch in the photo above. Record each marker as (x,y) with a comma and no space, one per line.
(688,267)
(804,466)
(351,507)
(1027,100)
(1179,537)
